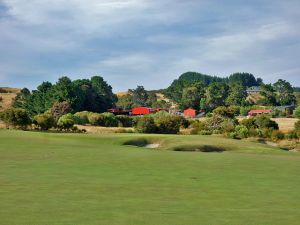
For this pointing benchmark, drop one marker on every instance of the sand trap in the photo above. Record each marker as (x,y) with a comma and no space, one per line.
(154,145)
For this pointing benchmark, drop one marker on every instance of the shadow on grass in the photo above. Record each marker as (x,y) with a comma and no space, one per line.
(199,148)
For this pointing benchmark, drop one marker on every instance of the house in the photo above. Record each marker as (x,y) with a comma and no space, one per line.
(191,113)
(119,111)
(142,111)
(253,90)
(255,112)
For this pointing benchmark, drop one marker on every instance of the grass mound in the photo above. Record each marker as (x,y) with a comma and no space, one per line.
(140,142)
(199,148)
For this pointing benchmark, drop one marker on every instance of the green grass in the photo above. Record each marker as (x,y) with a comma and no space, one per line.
(80,179)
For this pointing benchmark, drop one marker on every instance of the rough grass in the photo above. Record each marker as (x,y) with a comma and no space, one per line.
(285,124)
(64,179)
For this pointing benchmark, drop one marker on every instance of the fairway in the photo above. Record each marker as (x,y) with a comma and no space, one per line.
(84,179)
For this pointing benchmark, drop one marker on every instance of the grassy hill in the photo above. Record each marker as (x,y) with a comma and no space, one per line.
(95,179)
(7,94)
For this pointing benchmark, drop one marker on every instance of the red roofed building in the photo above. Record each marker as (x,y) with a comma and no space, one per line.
(190,112)
(142,111)
(255,112)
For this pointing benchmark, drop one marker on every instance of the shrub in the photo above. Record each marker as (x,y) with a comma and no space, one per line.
(242,131)
(95,119)
(229,112)
(233,135)
(249,123)
(60,108)
(292,135)
(124,121)
(82,118)
(214,122)
(198,125)
(228,126)
(205,132)
(167,125)
(109,120)
(277,135)
(297,112)
(45,121)
(16,117)
(264,121)
(146,125)
(66,121)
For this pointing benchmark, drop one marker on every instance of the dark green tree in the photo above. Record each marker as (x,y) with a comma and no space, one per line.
(285,92)
(139,96)
(216,94)
(237,94)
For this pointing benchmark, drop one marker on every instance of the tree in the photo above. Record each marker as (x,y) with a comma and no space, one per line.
(285,92)
(125,101)
(268,93)
(245,79)
(139,96)
(237,94)
(191,96)
(16,117)
(216,94)
(21,99)
(60,108)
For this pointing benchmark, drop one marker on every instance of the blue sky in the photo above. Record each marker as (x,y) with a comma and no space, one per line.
(147,42)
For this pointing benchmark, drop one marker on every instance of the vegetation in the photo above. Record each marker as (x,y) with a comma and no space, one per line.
(16,117)
(92,95)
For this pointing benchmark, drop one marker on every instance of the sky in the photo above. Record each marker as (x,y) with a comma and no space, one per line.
(147,42)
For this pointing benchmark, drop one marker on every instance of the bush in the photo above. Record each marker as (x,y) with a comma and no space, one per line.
(228,126)
(95,119)
(205,132)
(109,120)
(229,112)
(168,125)
(103,119)
(145,125)
(44,121)
(242,131)
(60,108)
(249,123)
(297,112)
(66,121)
(82,118)
(277,135)
(214,122)
(124,121)
(292,135)
(264,121)
(198,125)
(16,117)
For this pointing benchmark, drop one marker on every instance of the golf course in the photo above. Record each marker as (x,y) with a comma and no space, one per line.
(113,179)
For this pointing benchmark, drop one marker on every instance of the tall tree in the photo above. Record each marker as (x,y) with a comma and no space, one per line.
(285,92)
(216,94)
(268,93)
(237,94)
(139,96)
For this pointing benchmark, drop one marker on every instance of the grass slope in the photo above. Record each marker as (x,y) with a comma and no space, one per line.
(67,179)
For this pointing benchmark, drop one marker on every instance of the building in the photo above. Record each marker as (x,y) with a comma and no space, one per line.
(253,90)
(142,111)
(191,113)
(255,112)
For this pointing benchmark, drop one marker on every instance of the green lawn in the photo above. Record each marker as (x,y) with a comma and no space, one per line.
(81,179)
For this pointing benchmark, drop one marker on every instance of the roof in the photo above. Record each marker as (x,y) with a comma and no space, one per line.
(253,89)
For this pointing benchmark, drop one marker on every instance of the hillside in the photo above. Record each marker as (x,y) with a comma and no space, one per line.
(7,94)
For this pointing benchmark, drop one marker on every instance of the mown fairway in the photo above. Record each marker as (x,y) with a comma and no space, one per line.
(72,179)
